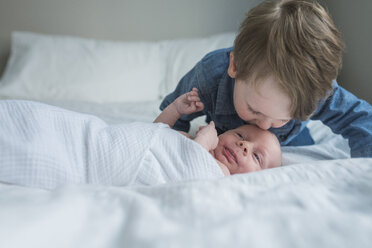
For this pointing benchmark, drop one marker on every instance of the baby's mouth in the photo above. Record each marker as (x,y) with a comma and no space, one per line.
(230,155)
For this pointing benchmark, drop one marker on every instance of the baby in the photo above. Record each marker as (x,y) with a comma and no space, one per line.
(45,146)
(244,149)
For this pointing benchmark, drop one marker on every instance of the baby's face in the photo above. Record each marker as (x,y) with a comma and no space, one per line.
(248,148)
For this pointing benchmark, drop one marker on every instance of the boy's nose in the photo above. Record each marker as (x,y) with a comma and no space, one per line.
(264,123)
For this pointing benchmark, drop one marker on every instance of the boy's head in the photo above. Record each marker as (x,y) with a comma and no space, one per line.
(247,149)
(293,43)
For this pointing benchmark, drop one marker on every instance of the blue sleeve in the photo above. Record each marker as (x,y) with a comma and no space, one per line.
(189,81)
(349,116)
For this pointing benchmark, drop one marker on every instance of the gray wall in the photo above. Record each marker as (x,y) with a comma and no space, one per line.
(120,19)
(170,19)
(354,19)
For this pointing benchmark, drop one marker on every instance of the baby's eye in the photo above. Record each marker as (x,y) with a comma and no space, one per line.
(240,136)
(257,158)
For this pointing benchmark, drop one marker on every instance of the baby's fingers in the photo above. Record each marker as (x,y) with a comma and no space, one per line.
(200,128)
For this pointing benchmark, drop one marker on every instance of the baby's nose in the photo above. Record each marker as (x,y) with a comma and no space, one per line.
(244,145)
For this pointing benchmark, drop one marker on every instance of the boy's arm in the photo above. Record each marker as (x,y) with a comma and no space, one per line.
(349,116)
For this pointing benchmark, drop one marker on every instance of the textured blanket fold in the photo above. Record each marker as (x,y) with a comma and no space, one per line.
(46,146)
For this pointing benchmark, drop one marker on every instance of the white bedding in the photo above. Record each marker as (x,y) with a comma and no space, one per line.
(322,204)
(45,146)
(320,198)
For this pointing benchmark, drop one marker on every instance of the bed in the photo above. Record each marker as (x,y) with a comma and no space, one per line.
(320,197)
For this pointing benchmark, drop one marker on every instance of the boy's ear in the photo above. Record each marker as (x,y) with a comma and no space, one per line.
(232,68)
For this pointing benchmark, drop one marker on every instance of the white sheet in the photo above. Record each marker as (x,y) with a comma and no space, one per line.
(323,204)
(46,146)
(320,198)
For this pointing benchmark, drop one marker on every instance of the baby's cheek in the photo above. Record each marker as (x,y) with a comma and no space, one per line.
(249,166)
(212,153)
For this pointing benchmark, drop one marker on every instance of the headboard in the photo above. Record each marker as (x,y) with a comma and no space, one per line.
(120,19)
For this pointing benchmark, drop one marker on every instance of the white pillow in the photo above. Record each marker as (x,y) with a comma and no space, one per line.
(46,67)
(182,55)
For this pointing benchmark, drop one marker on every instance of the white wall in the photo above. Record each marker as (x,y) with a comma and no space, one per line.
(120,19)
(169,19)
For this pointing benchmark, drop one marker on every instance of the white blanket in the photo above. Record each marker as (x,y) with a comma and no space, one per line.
(46,146)
(322,204)
(321,198)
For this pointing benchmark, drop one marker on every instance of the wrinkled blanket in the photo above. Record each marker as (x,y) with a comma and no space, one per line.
(45,146)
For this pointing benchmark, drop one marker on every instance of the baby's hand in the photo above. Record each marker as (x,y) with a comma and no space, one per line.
(189,103)
(207,136)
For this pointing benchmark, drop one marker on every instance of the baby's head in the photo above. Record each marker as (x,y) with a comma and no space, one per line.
(247,149)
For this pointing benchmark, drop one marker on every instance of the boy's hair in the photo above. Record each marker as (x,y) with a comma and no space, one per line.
(295,41)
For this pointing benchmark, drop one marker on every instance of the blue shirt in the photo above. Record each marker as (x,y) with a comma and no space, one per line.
(343,112)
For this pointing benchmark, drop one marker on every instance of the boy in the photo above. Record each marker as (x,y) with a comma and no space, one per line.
(280,73)
(241,150)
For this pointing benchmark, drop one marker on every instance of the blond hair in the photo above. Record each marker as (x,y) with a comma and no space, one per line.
(295,41)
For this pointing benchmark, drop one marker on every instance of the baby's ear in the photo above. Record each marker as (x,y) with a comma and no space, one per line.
(232,68)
